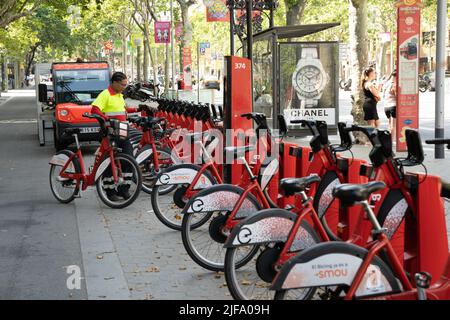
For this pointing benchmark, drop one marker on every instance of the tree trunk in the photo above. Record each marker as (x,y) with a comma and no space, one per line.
(3,79)
(138,63)
(145,60)
(358,57)
(29,62)
(152,60)
(166,70)
(187,26)
(294,12)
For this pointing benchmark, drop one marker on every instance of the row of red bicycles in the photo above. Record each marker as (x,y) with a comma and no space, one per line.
(301,223)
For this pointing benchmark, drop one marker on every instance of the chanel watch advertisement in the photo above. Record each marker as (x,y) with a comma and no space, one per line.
(308,82)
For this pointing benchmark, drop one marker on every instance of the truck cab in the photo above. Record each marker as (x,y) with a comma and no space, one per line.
(75,86)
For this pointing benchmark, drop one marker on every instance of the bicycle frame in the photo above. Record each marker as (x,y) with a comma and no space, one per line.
(89,179)
(306,210)
(380,244)
(254,188)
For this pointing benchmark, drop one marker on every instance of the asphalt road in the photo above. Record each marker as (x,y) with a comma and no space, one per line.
(38,237)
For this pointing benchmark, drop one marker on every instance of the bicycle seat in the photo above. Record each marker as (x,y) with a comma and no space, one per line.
(349,194)
(239,151)
(291,186)
(445,191)
(71,131)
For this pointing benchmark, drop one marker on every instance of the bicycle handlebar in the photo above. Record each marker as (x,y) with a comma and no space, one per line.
(439,141)
(310,124)
(367,131)
(100,120)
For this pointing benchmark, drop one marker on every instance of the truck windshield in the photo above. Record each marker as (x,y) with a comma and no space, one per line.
(80,86)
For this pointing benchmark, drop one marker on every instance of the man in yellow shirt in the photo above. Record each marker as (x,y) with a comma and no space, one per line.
(110,104)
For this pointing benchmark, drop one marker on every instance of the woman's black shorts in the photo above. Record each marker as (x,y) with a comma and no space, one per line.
(370,110)
(391,112)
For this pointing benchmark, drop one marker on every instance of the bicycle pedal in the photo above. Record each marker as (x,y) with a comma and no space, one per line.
(289,207)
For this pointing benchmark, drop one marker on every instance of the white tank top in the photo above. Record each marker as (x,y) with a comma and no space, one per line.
(390,100)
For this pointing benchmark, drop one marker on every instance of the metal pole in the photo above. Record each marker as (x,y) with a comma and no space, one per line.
(249,13)
(198,72)
(232,30)
(271,19)
(250,39)
(440,75)
(392,51)
(172,43)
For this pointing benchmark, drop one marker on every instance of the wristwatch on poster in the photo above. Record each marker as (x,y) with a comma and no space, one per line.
(309,79)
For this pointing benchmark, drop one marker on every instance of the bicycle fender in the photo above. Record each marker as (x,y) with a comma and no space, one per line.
(268,172)
(144,154)
(60,159)
(332,264)
(222,198)
(182,174)
(102,168)
(268,226)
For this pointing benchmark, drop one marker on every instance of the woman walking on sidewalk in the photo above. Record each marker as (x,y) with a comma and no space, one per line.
(372,96)
(390,102)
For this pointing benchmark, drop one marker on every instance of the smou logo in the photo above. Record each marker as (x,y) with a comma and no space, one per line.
(332,273)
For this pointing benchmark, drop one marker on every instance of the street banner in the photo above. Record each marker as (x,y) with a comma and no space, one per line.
(162,32)
(178,31)
(187,68)
(408,48)
(217,11)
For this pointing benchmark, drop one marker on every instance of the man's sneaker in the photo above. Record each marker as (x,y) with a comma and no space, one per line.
(113,197)
(125,194)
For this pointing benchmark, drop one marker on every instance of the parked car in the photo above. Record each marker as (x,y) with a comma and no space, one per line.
(211,83)
(431,77)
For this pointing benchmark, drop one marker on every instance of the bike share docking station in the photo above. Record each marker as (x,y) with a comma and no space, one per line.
(418,227)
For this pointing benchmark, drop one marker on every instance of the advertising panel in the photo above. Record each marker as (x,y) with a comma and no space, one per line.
(408,48)
(308,89)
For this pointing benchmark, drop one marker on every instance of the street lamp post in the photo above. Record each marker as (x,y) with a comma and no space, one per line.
(441,31)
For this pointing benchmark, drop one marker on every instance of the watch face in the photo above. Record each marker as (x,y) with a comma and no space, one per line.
(309,80)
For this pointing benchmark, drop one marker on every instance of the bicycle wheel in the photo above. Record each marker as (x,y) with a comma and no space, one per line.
(149,174)
(168,206)
(123,193)
(64,190)
(378,279)
(253,280)
(204,243)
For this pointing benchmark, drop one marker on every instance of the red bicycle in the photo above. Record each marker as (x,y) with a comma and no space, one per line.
(190,178)
(343,270)
(151,156)
(116,175)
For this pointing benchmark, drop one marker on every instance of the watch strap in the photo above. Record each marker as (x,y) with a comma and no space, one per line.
(310,53)
(309,103)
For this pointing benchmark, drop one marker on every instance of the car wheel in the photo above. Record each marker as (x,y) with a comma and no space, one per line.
(56,141)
